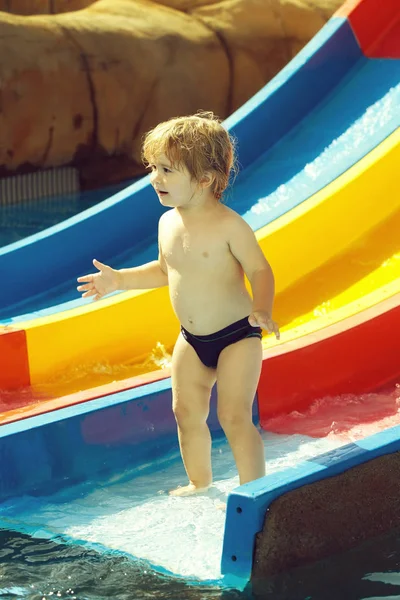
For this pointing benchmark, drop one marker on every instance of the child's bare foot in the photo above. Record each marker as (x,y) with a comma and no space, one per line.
(188,490)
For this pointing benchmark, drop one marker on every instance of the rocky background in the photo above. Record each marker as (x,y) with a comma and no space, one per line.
(81,81)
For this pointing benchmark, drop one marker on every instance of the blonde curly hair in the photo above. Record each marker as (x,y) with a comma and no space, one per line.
(199,142)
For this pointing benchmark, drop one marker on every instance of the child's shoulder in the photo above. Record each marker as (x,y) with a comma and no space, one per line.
(166,217)
(231,217)
(229,214)
(235,226)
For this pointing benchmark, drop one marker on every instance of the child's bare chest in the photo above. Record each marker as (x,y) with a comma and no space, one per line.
(184,249)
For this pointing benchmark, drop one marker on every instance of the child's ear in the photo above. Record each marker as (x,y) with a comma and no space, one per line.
(207,179)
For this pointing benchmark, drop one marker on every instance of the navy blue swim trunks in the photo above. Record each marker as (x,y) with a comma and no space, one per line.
(209,347)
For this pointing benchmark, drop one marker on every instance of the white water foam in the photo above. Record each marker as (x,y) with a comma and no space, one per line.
(337,153)
(135,515)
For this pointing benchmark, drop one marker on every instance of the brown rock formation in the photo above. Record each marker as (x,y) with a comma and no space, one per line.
(82,87)
(328,517)
(42,7)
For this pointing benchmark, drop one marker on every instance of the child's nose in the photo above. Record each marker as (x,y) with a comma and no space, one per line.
(155,177)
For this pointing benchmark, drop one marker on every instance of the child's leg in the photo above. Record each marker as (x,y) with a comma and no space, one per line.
(191,388)
(238,372)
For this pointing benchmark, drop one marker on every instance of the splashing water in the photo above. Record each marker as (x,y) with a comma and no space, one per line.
(134,515)
(335,155)
(348,417)
(81,377)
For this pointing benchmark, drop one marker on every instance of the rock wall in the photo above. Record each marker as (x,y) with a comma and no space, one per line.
(82,87)
(328,517)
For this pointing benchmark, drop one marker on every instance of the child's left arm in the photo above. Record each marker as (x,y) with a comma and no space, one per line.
(245,248)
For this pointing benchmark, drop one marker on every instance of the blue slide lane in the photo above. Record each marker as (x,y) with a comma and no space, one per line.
(300,132)
(91,440)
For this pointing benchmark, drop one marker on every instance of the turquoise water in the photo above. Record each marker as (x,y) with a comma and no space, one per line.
(41,569)
(18,221)
(132,512)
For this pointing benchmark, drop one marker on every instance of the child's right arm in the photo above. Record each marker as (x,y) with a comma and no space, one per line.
(147,276)
(108,280)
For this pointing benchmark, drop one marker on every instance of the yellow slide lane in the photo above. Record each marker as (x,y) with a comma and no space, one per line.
(366,274)
(331,251)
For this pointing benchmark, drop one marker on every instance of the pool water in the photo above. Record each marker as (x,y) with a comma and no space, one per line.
(37,569)
(132,512)
(20,220)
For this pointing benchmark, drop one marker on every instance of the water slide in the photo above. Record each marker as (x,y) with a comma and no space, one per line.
(320,149)
(319,186)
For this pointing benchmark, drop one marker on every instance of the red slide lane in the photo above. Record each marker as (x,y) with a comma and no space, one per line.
(356,356)
(376,25)
(14,367)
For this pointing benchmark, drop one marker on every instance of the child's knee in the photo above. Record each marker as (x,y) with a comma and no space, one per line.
(191,404)
(187,415)
(181,412)
(233,419)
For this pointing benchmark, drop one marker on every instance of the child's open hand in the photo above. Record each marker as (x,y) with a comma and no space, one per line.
(260,318)
(99,284)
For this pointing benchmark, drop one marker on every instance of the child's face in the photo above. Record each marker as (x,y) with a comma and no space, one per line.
(174,187)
